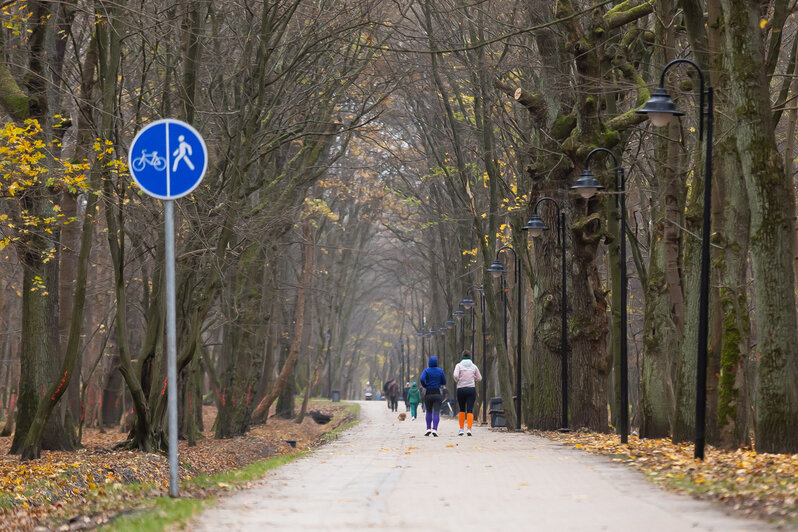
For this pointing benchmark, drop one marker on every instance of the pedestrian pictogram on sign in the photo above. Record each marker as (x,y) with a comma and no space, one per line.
(168,159)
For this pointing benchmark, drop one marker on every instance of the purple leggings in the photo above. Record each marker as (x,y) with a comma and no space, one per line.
(433,403)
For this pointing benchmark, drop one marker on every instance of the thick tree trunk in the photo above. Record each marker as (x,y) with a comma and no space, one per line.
(772,230)
(730,429)
(591,362)
(546,340)
(663,320)
(57,387)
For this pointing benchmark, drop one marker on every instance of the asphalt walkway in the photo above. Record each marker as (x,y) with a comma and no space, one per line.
(385,475)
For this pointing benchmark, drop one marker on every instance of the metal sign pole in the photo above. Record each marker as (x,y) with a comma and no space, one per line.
(171,343)
(167,177)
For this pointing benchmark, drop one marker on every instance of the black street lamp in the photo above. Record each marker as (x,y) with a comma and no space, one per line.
(468,304)
(536,226)
(497,270)
(587,185)
(481,291)
(327,336)
(661,109)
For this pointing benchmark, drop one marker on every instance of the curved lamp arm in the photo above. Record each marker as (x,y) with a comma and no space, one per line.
(701,89)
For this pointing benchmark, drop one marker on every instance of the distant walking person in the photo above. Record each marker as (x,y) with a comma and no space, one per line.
(413,398)
(385,393)
(393,395)
(466,374)
(432,379)
(404,396)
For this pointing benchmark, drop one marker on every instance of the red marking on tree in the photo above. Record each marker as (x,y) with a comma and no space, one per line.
(44,392)
(224,390)
(60,386)
(163,391)
(249,391)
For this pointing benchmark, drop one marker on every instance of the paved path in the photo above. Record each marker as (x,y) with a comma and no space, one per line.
(385,475)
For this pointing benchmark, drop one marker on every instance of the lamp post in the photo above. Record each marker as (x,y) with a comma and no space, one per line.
(536,226)
(327,336)
(587,185)
(661,109)
(468,304)
(481,290)
(497,270)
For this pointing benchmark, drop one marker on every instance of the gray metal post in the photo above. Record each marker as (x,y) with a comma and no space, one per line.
(171,342)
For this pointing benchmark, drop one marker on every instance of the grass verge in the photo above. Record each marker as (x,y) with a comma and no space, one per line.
(164,511)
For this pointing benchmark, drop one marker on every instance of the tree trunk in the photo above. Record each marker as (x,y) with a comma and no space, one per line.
(262,411)
(34,439)
(772,203)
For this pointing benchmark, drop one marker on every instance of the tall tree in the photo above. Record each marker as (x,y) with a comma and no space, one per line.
(772,217)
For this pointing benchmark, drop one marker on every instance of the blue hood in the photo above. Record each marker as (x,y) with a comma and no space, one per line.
(433,362)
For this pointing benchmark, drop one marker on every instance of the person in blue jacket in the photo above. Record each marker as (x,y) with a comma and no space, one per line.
(432,379)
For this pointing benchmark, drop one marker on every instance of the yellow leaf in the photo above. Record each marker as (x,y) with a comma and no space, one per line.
(763,23)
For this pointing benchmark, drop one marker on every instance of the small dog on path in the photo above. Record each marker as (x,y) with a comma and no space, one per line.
(402,416)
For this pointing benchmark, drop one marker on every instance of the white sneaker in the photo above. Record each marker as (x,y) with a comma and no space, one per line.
(468,431)
(460,432)
(435,433)
(429,431)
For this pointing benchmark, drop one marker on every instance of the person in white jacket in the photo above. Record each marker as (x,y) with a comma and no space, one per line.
(466,374)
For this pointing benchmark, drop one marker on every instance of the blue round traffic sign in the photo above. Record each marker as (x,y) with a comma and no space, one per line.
(168,158)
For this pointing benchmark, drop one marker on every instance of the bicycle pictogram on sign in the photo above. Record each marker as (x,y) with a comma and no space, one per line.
(152,159)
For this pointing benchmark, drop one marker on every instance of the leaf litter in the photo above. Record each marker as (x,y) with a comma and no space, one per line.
(756,485)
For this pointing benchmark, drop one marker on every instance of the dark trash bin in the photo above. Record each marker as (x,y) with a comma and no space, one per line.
(496,413)
(336,396)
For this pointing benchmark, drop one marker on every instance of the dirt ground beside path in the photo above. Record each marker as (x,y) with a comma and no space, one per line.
(385,475)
